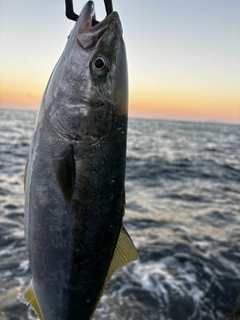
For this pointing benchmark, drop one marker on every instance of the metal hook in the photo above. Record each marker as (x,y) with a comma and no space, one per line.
(108,6)
(73,16)
(69,11)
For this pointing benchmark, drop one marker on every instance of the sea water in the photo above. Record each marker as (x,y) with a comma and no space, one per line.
(183,214)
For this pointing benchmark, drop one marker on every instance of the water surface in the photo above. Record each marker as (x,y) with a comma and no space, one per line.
(183,213)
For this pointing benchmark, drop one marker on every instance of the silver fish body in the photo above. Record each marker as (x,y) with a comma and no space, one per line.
(74,188)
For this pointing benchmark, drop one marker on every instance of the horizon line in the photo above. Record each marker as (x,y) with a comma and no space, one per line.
(145,117)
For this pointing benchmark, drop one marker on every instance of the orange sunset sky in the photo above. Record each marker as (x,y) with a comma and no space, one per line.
(183,56)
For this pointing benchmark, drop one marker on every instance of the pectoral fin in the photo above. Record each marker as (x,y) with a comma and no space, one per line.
(64,168)
(124,253)
(29,296)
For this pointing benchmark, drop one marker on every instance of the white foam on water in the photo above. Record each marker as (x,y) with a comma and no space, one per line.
(21,281)
(8,250)
(7,274)
(23,266)
(170,277)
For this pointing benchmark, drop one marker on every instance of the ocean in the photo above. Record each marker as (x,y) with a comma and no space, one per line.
(183,213)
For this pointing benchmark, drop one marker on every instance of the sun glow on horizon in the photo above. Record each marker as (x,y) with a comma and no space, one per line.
(179,68)
(169,106)
(181,103)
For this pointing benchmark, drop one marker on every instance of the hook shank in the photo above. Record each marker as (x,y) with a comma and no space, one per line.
(73,16)
(69,11)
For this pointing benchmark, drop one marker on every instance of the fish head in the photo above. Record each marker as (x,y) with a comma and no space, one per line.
(89,84)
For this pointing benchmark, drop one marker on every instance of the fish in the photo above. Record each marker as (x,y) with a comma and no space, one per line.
(75,174)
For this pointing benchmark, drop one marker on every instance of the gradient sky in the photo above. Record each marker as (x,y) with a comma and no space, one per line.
(183,55)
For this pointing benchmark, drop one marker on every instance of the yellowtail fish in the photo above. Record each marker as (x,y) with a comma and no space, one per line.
(74,177)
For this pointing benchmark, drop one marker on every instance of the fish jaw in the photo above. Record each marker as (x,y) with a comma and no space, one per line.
(89,31)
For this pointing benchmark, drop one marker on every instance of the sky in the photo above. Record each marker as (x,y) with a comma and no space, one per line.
(183,55)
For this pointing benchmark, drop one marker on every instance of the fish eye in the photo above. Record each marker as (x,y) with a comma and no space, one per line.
(100,64)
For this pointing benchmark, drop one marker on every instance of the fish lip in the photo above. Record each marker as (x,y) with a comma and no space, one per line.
(88,32)
(87,16)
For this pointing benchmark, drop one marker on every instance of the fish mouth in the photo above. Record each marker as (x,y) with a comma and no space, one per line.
(90,30)
(88,19)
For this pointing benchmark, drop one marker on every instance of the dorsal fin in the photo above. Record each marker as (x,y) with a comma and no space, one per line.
(124,253)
